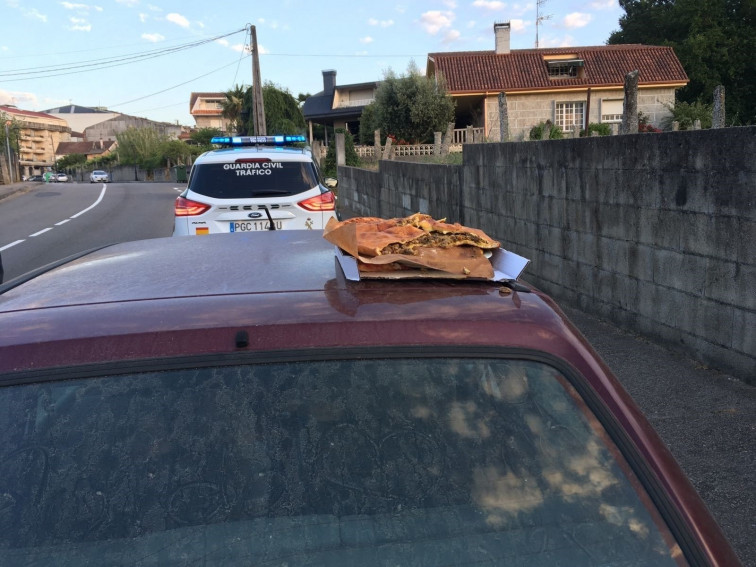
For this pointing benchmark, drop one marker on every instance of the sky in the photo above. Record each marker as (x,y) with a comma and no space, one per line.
(146,57)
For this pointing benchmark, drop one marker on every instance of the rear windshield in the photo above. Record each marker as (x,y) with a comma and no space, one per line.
(245,180)
(364,462)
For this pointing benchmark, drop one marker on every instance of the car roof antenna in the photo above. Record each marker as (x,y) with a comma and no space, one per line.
(270,218)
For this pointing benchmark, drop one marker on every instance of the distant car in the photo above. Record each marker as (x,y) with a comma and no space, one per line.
(61,178)
(249,405)
(99,176)
(36,178)
(254,184)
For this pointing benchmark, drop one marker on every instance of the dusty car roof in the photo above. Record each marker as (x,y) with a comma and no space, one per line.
(186,293)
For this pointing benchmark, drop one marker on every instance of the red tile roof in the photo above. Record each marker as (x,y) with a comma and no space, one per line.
(85,148)
(525,69)
(28,113)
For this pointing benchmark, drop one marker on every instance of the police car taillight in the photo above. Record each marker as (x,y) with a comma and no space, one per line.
(187,208)
(323,202)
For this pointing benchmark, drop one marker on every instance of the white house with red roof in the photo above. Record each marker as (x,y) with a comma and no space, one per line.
(570,86)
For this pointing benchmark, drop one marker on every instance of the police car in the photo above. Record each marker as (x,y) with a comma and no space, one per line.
(255,183)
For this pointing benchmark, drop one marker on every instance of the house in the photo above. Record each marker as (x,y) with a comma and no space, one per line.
(92,150)
(99,123)
(38,136)
(338,106)
(79,118)
(570,86)
(207,110)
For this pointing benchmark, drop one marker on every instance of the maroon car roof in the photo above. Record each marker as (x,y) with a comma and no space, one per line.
(188,297)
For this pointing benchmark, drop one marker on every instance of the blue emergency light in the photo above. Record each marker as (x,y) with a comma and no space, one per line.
(278,140)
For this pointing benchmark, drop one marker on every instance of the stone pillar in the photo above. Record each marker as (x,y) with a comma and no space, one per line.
(718,118)
(387,149)
(340,149)
(316,151)
(503,118)
(675,125)
(377,144)
(697,124)
(448,139)
(436,143)
(469,135)
(630,106)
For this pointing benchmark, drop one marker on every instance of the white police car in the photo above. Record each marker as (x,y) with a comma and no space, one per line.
(254,183)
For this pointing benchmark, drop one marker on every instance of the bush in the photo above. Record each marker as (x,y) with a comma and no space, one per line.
(350,154)
(600,129)
(546,131)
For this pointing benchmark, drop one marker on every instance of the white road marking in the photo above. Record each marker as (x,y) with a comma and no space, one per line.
(93,205)
(12,244)
(44,230)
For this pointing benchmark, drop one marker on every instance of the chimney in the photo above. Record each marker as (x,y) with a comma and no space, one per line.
(329,81)
(501,33)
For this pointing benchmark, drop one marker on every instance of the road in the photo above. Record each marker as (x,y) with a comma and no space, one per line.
(708,419)
(52,221)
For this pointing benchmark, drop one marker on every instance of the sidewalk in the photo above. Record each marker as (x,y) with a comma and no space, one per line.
(14,188)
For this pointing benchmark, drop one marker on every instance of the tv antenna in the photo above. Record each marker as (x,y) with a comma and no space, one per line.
(540,18)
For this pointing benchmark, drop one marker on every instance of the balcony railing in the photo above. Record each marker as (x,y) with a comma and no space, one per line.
(352,103)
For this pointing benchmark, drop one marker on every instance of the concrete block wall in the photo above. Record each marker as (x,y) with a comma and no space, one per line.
(655,232)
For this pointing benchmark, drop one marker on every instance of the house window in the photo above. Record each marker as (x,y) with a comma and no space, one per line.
(567,115)
(565,69)
(611,110)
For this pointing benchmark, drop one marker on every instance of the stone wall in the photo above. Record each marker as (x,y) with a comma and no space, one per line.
(654,232)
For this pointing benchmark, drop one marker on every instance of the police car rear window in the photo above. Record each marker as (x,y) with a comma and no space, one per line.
(254,178)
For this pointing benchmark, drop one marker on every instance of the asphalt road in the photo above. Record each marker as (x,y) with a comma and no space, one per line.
(707,418)
(44,222)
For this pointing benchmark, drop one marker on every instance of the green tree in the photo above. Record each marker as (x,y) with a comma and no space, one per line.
(203,136)
(368,125)
(232,107)
(70,161)
(412,107)
(350,154)
(283,114)
(714,39)
(686,114)
(141,147)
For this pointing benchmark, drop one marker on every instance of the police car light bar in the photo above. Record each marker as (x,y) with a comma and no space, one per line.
(257,140)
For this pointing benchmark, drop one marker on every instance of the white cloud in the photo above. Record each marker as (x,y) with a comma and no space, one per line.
(143,17)
(177,19)
(489,4)
(451,4)
(34,13)
(79,24)
(366,39)
(129,3)
(577,20)
(435,20)
(153,37)
(471,24)
(382,23)
(451,36)
(604,4)
(517,26)
(70,6)
(223,42)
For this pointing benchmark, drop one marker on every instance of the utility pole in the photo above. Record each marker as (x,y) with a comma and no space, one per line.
(258,114)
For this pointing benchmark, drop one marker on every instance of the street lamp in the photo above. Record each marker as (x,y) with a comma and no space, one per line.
(7,147)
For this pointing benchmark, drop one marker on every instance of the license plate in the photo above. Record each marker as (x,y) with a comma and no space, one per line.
(251,226)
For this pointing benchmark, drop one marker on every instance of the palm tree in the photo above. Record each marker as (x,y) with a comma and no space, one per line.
(232,107)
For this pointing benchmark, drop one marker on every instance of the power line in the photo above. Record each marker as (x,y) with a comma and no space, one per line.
(99,64)
(173,87)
